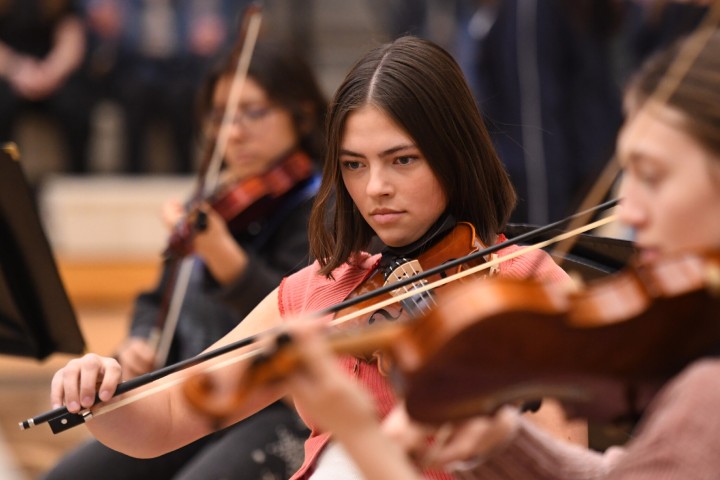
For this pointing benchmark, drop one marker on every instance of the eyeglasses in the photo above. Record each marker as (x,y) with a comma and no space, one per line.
(248,118)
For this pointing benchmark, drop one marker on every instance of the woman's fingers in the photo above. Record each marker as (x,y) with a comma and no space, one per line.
(136,357)
(475,438)
(77,384)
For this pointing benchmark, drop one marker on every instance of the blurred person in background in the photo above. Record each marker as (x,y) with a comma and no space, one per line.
(236,261)
(150,57)
(42,46)
(545,80)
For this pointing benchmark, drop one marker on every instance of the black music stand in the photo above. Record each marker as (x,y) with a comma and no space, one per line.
(36,317)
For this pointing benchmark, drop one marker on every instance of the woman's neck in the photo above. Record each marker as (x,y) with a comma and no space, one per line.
(436,232)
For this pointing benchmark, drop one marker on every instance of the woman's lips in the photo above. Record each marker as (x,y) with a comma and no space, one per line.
(384,217)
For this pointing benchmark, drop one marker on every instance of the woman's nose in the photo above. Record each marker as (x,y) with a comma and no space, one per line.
(236,129)
(630,210)
(378,183)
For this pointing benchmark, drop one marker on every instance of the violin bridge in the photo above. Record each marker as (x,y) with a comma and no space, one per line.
(404,270)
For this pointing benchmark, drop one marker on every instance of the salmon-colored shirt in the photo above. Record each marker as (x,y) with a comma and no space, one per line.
(306,291)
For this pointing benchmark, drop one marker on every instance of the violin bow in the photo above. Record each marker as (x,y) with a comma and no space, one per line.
(162,335)
(249,34)
(60,419)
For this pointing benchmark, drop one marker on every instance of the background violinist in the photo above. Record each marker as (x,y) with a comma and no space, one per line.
(238,259)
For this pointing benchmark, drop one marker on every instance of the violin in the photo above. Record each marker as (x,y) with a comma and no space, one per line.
(459,243)
(241,202)
(604,350)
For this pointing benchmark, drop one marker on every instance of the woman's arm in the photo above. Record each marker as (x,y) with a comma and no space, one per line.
(163,420)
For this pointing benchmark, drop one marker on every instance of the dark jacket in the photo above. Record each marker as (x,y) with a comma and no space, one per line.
(277,245)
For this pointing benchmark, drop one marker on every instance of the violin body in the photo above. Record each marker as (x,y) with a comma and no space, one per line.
(240,203)
(604,351)
(242,198)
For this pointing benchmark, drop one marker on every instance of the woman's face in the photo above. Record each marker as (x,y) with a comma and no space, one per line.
(670,189)
(260,133)
(388,178)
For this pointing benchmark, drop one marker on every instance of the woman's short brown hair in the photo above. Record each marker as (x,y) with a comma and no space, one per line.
(421,87)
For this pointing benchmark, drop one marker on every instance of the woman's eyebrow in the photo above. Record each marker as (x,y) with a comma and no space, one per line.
(384,153)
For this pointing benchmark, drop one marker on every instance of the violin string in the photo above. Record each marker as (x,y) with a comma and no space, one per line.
(411,289)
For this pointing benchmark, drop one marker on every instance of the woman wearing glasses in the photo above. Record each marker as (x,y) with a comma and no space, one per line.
(256,233)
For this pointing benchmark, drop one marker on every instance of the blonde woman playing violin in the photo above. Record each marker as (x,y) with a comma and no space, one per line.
(670,154)
(408,158)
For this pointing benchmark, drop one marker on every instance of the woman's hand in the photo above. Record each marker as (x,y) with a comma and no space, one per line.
(454,446)
(326,392)
(337,403)
(76,384)
(214,243)
(136,357)
(223,256)
(172,213)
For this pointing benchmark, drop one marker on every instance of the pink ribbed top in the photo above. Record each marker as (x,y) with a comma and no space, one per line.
(306,291)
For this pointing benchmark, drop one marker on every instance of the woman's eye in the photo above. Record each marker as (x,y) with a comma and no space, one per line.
(256,113)
(650,180)
(405,160)
(649,177)
(350,164)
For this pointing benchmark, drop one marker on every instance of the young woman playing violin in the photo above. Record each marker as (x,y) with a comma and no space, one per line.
(409,164)
(253,239)
(670,153)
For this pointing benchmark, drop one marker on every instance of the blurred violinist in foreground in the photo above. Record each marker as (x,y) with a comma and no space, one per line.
(256,233)
(669,149)
(410,169)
